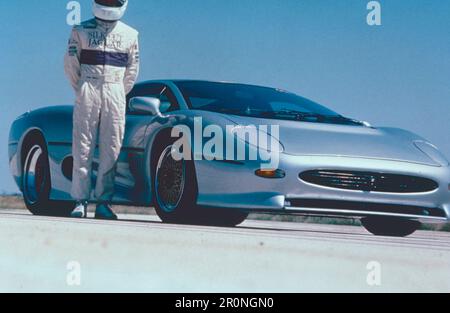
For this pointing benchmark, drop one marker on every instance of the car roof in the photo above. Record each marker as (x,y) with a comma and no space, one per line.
(169,81)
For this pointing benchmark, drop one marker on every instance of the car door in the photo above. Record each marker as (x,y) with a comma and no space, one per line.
(129,184)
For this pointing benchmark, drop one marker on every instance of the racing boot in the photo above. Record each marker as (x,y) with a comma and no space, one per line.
(80,210)
(104,212)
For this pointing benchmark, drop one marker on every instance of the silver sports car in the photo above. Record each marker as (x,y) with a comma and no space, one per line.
(327,164)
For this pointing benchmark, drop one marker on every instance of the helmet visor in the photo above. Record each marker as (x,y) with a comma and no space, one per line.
(111,3)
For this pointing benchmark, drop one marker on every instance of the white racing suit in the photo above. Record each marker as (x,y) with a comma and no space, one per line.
(102,64)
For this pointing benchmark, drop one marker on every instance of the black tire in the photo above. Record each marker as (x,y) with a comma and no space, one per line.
(391,227)
(223,217)
(182,210)
(36,182)
(176,197)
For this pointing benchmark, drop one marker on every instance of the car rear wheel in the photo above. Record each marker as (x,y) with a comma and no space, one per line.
(176,190)
(392,227)
(36,184)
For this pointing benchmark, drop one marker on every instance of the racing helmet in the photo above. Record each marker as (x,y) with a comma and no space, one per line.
(110,10)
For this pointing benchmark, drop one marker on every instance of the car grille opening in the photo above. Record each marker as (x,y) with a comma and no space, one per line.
(366,207)
(369,181)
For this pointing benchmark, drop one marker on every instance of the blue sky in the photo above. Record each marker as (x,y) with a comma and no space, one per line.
(393,75)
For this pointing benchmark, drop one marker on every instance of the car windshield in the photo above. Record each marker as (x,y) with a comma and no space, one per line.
(255,101)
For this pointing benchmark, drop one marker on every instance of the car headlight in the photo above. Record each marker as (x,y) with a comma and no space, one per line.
(432,152)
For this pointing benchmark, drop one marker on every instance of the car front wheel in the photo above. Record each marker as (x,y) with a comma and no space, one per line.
(176,190)
(392,227)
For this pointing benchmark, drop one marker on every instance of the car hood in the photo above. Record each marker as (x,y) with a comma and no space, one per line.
(302,138)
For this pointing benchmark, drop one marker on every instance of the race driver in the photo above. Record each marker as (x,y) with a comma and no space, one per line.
(102,64)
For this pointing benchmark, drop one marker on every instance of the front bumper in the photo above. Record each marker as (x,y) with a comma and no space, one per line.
(337,208)
(232,185)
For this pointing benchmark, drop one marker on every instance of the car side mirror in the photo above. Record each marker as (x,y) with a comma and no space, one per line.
(145,105)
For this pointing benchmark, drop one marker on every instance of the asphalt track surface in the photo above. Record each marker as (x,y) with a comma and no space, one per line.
(140,254)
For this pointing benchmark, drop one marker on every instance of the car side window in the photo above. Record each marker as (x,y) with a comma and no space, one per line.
(162,92)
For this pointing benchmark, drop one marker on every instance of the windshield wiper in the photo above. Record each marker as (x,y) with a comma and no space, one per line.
(307,116)
(291,114)
(343,119)
(297,115)
(223,110)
